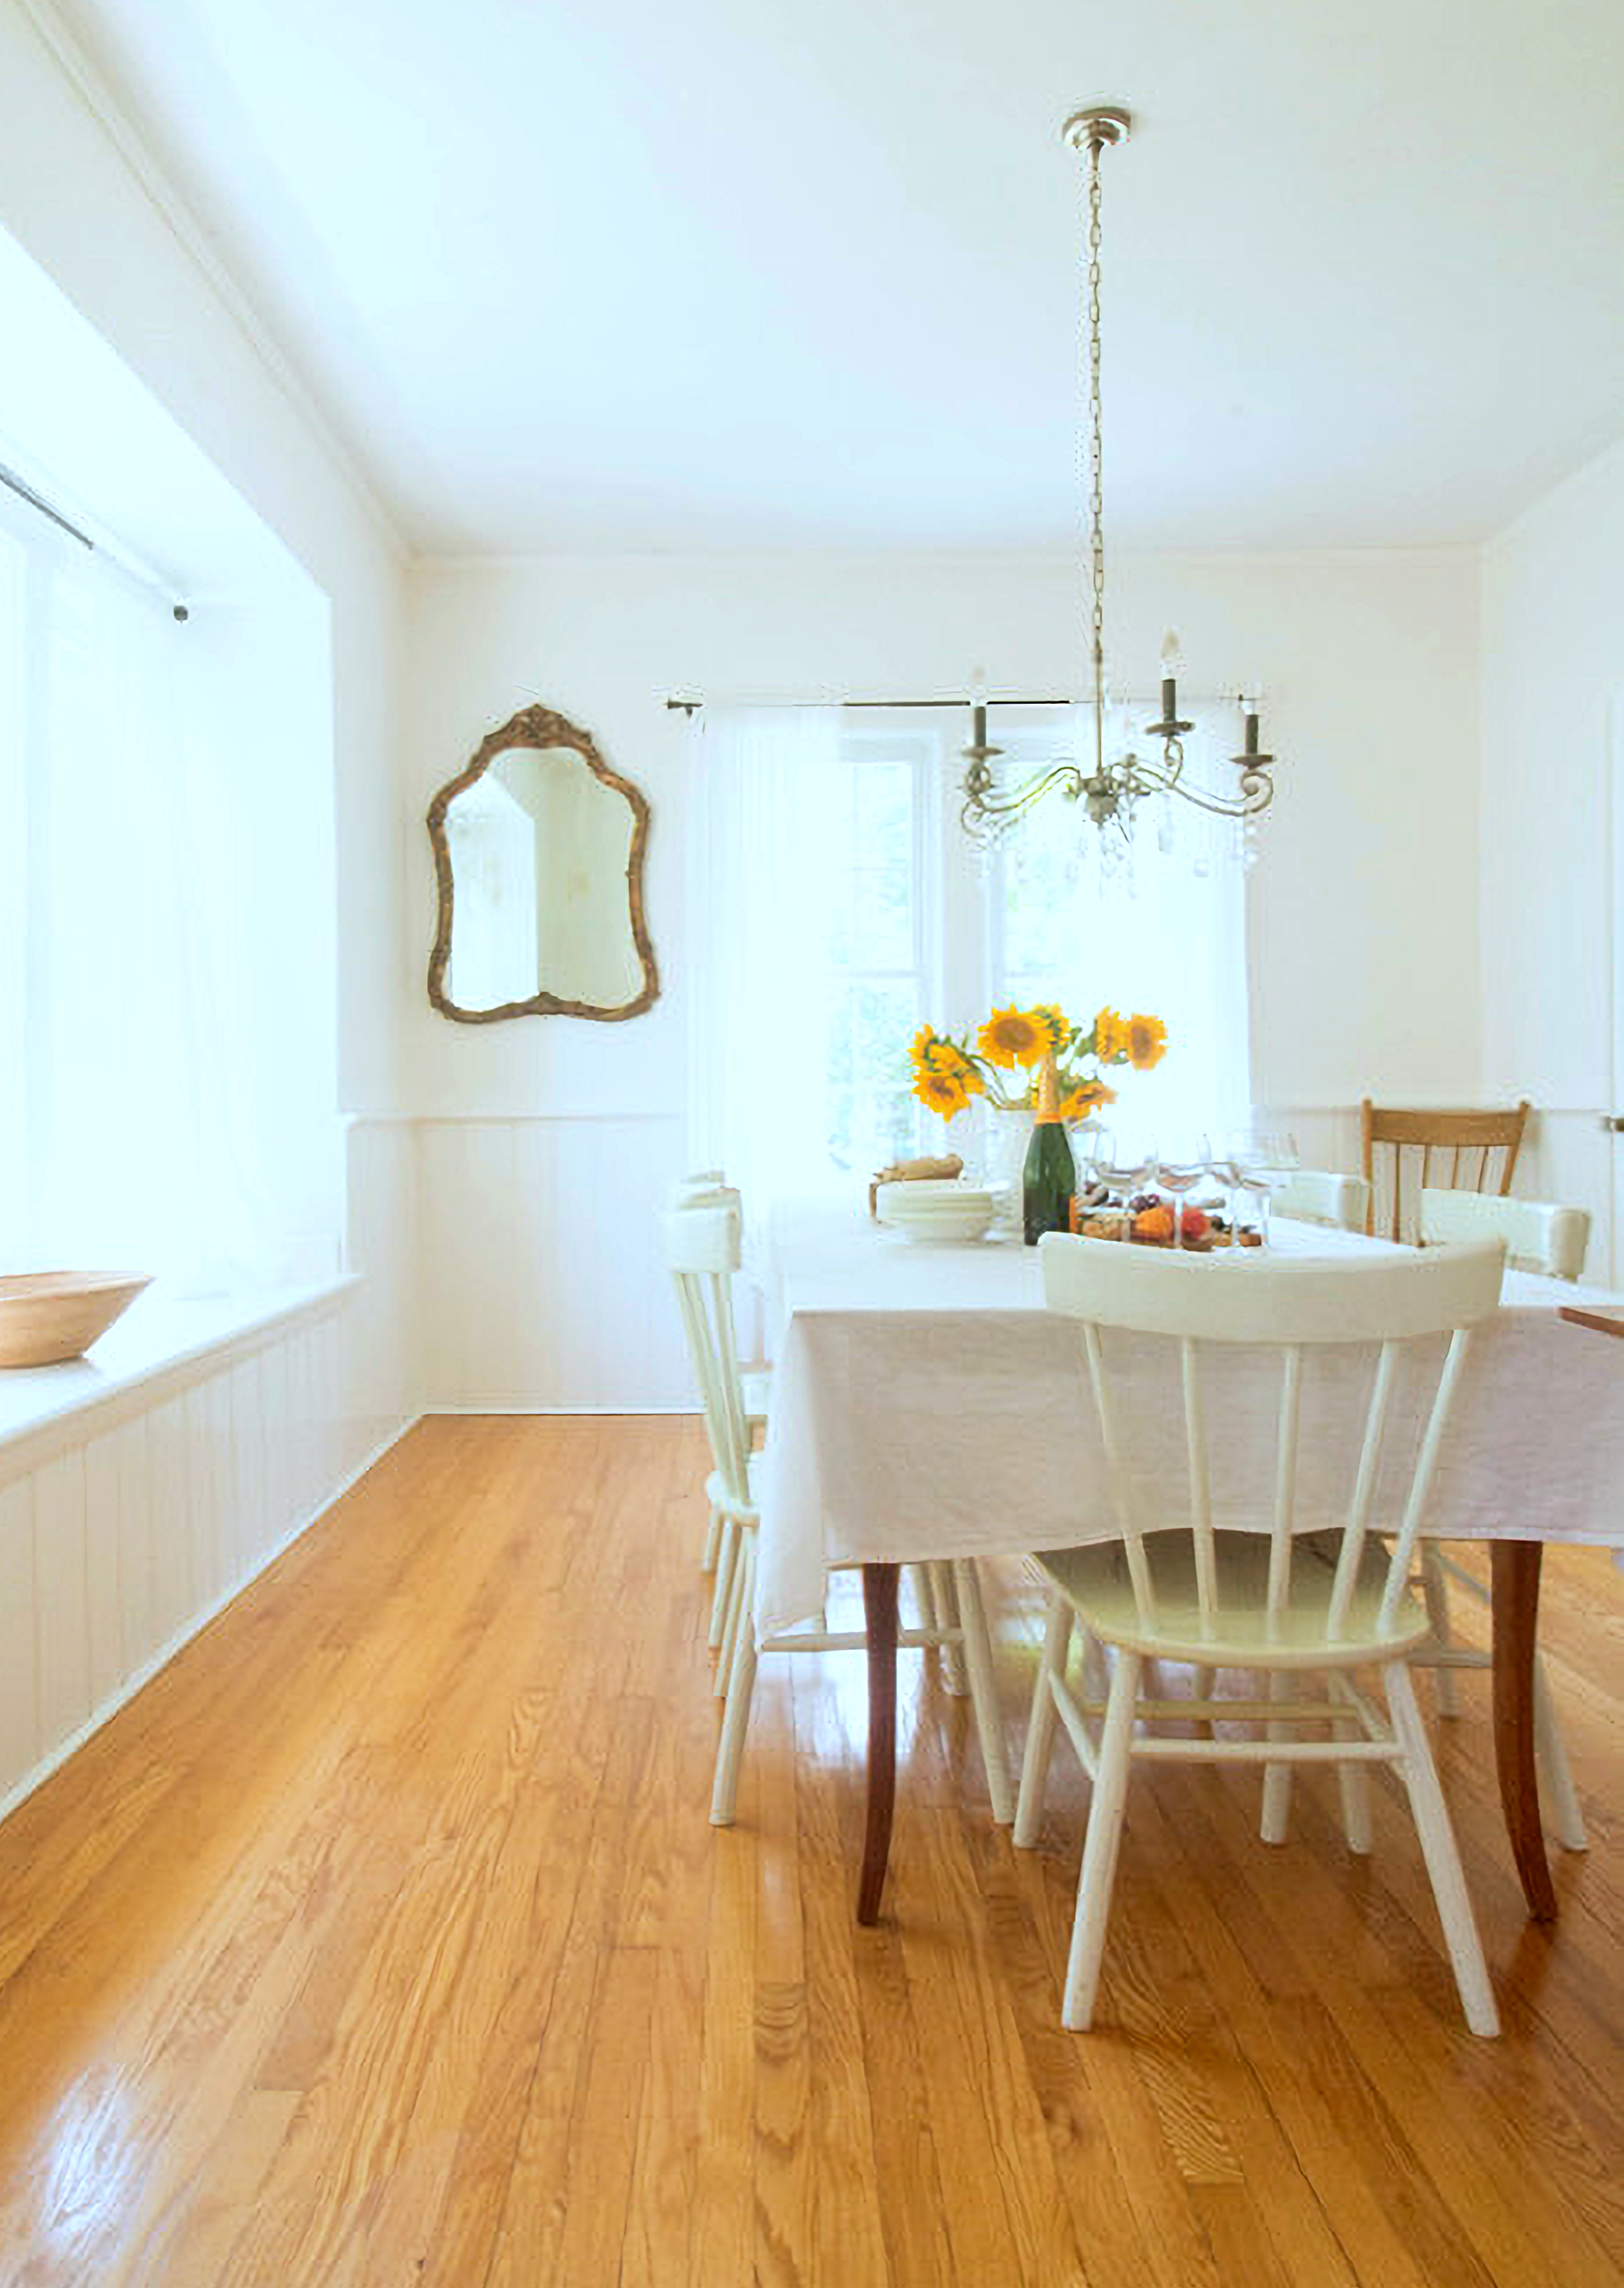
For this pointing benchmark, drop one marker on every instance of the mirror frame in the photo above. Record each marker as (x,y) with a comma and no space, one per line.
(540,727)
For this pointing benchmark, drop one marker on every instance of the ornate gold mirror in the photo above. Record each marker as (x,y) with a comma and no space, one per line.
(539,849)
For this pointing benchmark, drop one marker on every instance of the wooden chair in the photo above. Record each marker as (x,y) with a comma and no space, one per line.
(1471,1140)
(1315,1195)
(1315,1594)
(1537,1236)
(701,1252)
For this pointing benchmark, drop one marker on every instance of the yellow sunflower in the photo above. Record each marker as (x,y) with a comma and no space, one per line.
(1146,1042)
(1083,1101)
(1015,1036)
(942,1091)
(1109,1038)
(1053,1021)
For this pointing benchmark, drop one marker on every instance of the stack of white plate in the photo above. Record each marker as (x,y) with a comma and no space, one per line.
(952,1211)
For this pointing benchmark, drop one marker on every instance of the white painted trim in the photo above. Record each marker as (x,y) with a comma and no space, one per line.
(95,91)
(1439,553)
(605,1117)
(197,1622)
(25,1446)
(573,1413)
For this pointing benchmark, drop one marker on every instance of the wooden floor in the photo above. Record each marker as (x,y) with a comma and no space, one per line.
(384,1940)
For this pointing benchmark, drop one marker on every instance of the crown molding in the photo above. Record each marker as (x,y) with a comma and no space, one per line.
(95,91)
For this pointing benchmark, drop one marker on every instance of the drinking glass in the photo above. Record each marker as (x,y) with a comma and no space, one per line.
(1180,1173)
(1263,1159)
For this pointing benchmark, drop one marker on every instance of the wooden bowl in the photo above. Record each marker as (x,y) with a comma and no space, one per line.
(47,1316)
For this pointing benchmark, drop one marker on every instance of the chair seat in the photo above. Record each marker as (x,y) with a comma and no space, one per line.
(1095,1581)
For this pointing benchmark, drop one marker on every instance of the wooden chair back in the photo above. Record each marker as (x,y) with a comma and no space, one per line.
(1467,1151)
(1382,1304)
(1537,1235)
(702,1254)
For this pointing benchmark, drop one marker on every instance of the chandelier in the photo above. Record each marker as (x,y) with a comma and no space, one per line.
(1113,788)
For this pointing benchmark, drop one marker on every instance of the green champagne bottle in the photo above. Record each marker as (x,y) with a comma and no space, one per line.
(1050,1176)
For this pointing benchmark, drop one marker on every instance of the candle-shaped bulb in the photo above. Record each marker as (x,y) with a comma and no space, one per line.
(1170,669)
(978,687)
(1249,714)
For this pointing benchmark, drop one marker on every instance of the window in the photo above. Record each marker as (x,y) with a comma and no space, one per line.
(156,1047)
(168,921)
(839,905)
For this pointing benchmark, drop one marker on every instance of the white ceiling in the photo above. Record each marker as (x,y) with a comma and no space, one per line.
(750,274)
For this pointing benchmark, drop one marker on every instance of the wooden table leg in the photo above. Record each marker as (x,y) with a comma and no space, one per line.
(1515,1568)
(880,1585)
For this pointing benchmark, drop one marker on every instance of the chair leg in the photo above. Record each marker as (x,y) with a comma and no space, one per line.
(735,1723)
(925,1590)
(712,1543)
(1100,1847)
(1201,1683)
(1435,1590)
(954,1674)
(1438,1843)
(737,1599)
(1041,1728)
(1278,1777)
(1566,1816)
(726,1558)
(1353,1781)
(984,1690)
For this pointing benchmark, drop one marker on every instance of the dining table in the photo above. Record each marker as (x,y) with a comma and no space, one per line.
(927,1406)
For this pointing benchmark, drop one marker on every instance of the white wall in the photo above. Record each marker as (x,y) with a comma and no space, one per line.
(1364,912)
(1553,720)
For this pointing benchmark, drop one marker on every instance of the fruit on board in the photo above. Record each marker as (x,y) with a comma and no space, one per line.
(1154,1223)
(1195,1223)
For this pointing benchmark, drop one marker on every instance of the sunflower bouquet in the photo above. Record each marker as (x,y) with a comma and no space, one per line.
(948,1074)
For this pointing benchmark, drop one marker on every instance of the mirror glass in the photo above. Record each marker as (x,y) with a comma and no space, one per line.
(540,856)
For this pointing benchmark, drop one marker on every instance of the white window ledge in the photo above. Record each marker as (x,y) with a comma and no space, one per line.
(160,1345)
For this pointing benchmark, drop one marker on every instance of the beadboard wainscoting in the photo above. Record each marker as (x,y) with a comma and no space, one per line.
(541,1280)
(125,1526)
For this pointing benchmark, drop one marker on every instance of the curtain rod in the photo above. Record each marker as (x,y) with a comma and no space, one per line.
(129,564)
(692,707)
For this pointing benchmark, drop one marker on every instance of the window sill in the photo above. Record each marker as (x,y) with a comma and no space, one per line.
(160,1345)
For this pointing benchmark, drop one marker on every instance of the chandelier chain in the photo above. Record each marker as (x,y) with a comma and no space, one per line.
(1096,426)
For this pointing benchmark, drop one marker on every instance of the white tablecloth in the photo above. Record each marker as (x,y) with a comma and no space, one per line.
(925,1404)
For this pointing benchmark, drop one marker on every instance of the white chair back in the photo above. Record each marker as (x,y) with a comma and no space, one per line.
(1537,1235)
(702,1254)
(1295,1308)
(1316,1195)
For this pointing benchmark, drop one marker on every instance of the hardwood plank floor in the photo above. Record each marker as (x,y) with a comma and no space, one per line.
(383,1939)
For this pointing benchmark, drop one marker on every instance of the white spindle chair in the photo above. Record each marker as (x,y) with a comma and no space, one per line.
(1537,1236)
(702,1253)
(709,1188)
(1316,1195)
(1176,1584)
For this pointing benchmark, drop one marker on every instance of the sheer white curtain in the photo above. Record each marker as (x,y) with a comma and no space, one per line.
(762,877)
(132,1135)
